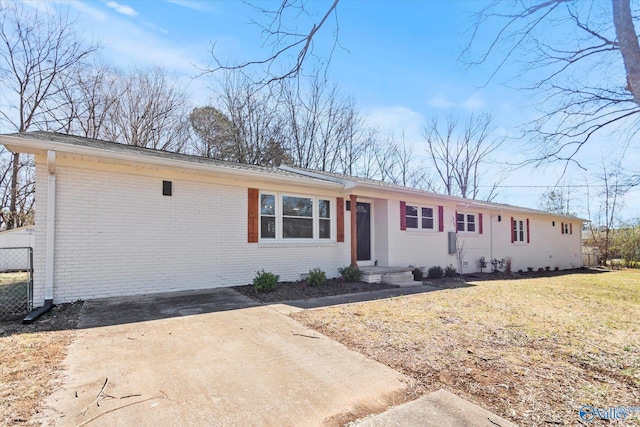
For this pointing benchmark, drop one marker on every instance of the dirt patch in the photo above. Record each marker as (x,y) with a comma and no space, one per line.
(530,350)
(291,291)
(31,361)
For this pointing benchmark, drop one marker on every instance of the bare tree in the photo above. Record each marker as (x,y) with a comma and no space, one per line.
(604,218)
(558,200)
(323,127)
(151,111)
(85,101)
(581,57)
(290,48)
(458,154)
(35,53)
(257,123)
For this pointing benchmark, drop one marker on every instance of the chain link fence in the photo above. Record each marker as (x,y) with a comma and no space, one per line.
(16,281)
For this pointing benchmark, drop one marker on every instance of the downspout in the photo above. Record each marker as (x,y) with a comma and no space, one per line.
(50,240)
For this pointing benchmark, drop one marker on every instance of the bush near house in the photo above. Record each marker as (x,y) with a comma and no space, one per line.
(435,272)
(265,281)
(350,273)
(450,271)
(317,277)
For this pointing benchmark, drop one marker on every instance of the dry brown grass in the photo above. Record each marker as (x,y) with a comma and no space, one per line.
(31,357)
(531,350)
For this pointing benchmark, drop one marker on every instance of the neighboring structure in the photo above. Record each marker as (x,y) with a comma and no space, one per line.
(113,219)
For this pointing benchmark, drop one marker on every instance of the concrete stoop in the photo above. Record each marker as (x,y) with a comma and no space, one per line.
(399,276)
(438,409)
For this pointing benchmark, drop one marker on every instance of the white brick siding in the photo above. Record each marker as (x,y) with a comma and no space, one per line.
(116,234)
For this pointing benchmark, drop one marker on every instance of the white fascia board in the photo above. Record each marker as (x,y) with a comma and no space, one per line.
(462,202)
(31,146)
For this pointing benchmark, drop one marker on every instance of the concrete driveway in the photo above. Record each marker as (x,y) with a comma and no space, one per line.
(212,358)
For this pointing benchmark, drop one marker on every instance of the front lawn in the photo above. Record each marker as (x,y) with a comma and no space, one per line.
(531,350)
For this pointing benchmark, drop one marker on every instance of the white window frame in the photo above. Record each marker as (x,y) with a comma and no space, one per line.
(520,226)
(466,222)
(419,217)
(279,218)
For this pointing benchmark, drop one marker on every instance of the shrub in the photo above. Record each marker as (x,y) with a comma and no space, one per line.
(529,269)
(540,269)
(435,272)
(265,281)
(350,273)
(418,274)
(317,277)
(450,271)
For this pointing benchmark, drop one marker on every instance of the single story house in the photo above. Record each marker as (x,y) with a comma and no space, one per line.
(114,219)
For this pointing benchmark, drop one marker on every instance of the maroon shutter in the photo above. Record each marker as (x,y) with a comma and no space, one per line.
(403,215)
(480,221)
(440,218)
(528,233)
(513,222)
(456,220)
(562,227)
(570,228)
(340,219)
(252,225)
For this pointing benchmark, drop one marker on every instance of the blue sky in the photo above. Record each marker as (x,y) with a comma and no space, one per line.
(399,60)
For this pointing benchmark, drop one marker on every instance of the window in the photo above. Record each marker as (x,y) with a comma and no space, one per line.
(518,231)
(267,216)
(412,216)
(566,228)
(324,213)
(466,222)
(290,217)
(419,217)
(427,218)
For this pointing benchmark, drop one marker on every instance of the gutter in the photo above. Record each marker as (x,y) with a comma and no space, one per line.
(50,240)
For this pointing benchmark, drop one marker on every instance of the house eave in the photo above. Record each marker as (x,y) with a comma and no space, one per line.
(41,145)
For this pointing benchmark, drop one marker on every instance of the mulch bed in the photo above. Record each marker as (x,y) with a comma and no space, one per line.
(291,291)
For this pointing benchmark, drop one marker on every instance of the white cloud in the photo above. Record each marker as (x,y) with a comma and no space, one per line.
(200,6)
(397,120)
(441,101)
(473,102)
(123,9)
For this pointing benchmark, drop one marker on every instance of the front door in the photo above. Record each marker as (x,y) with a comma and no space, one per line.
(363,221)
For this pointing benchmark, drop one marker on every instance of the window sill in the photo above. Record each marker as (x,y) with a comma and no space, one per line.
(295,243)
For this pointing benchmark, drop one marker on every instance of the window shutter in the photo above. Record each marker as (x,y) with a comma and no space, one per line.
(403,215)
(456,221)
(570,228)
(528,233)
(480,223)
(340,219)
(252,225)
(562,227)
(512,232)
(441,218)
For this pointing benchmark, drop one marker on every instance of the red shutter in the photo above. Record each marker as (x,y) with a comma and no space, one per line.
(252,224)
(480,223)
(562,227)
(528,233)
(340,219)
(403,215)
(512,227)
(570,228)
(440,218)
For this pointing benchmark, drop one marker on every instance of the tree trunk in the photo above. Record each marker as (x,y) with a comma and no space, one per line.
(629,47)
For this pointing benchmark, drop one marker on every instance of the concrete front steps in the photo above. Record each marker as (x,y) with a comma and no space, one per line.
(399,276)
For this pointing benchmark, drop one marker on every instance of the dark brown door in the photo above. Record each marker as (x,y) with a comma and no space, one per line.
(363,218)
